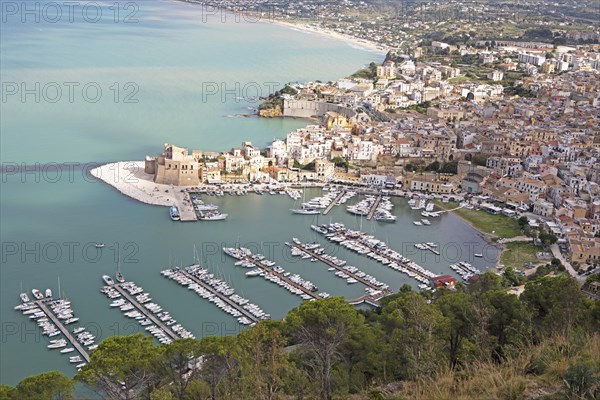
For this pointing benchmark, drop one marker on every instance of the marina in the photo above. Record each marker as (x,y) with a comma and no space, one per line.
(52,317)
(274,273)
(428,246)
(464,270)
(374,207)
(350,273)
(372,247)
(150,315)
(335,202)
(205,284)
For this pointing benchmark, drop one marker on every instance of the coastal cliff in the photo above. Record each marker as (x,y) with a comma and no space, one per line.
(270,111)
(273,105)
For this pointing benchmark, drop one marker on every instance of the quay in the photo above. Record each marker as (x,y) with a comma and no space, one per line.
(374,207)
(225,299)
(283,278)
(63,330)
(339,268)
(145,311)
(334,202)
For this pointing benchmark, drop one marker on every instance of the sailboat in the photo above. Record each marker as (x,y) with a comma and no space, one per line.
(119,276)
(305,209)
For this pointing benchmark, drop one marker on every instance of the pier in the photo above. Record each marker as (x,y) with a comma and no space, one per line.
(334,202)
(63,330)
(225,299)
(339,268)
(145,311)
(374,207)
(283,278)
(187,212)
(386,256)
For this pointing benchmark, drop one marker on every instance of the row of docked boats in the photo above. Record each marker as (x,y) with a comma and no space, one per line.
(217,292)
(62,311)
(428,246)
(422,204)
(372,247)
(381,213)
(207,211)
(268,270)
(348,272)
(217,192)
(294,194)
(145,312)
(322,202)
(37,295)
(464,270)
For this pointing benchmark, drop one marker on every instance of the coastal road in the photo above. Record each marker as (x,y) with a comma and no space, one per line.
(557,254)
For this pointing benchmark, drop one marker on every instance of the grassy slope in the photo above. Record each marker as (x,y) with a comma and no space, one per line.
(499,226)
(537,373)
(518,253)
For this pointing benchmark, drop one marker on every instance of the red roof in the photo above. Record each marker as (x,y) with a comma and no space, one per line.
(443,280)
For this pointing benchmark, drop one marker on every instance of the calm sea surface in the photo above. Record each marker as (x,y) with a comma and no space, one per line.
(192,77)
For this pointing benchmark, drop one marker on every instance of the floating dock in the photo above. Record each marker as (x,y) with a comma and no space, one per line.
(374,207)
(338,267)
(334,202)
(283,278)
(63,330)
(372,251)
(145,311)
(225,299)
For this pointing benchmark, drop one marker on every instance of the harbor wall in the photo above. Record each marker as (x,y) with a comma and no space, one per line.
(308,108)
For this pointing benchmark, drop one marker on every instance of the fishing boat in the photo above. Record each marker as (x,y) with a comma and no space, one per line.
(108,280)
(37,294)
(174,213)
(24,297)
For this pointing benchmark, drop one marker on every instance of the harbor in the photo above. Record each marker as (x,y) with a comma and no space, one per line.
(52,316)
(278,225)
(374,207)
(350,273)
(274,273)
(335,202)
(65,332)
(207,286)
(135,303)
(368,245)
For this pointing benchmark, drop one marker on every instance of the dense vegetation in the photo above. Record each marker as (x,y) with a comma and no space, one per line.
(275,100)
(471,343)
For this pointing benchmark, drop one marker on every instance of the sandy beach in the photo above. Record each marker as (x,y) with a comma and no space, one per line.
(364,44)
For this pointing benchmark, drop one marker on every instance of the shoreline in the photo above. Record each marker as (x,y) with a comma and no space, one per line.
(488,237)
(364,44)
(350,40)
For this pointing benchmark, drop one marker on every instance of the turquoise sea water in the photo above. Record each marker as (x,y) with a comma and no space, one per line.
(49,220)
